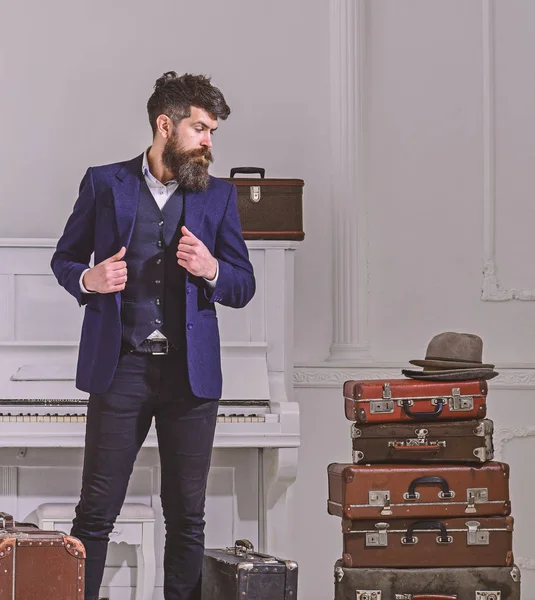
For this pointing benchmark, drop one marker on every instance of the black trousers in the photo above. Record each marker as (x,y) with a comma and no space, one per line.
(147,386)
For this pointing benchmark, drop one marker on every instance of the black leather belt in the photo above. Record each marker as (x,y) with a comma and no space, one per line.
(152,346)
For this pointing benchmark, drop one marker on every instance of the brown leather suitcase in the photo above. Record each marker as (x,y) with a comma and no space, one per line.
(476,542)
(455,583)
(418,491)
(39,565)
(269,209)
(395,400)
(423,442)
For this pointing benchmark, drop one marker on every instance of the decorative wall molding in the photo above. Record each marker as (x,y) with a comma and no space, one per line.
(492,290)
(511,376)
(502,435)
(348,29)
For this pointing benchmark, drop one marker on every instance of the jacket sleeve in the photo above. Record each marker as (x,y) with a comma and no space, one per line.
(75,246)
(236,282)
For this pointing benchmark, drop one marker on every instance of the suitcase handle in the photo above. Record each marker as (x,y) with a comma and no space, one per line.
(6,520)
(423,415)
(430,448)
(444,538)
(412,494)
(432,597)
(243,547)
(248,171)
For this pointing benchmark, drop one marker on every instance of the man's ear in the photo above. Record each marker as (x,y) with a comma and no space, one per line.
(164,126)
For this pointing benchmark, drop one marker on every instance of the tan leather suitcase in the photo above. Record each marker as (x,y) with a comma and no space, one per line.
(418,491)
(423,442)
(39,565)
(401,400)
(459,542)
(269,209)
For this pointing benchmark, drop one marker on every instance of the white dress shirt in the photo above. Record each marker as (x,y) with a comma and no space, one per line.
(161,192)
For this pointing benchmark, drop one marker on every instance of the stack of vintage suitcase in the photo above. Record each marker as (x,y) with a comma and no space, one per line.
(425,510)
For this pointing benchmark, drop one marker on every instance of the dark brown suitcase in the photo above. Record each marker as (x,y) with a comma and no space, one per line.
(39,565)
(477,542)
(424,442)
(455,583)
(269,209)
(401,400)
(240,573)
(418,491)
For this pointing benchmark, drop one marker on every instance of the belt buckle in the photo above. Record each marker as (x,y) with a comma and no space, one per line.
(164,347)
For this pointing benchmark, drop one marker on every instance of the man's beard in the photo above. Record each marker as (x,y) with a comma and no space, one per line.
(188,167)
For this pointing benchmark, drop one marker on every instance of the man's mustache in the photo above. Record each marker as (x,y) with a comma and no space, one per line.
(205,153)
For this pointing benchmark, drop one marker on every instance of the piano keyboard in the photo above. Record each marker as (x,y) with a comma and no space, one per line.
(81,418)
(61,423)
(39,410)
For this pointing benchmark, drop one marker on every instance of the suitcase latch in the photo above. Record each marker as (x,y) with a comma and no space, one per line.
(459,402)
(255,193)
(368,594)
(476,496)
(381,406)
(379,538)
(488,595)
(386,405)
(380,498)
(475,537)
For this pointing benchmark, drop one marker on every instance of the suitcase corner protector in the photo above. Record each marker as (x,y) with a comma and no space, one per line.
(6,546)
(74,546)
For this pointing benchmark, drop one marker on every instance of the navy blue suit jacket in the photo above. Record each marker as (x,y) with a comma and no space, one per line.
(101,222)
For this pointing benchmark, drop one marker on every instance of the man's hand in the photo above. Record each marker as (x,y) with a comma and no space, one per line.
(108,276)
(195,257)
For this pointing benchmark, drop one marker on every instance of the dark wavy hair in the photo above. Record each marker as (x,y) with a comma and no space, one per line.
(174,96)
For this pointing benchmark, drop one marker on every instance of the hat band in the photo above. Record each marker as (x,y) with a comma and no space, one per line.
(464,360)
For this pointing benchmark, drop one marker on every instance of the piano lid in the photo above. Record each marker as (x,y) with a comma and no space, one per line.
(34,373)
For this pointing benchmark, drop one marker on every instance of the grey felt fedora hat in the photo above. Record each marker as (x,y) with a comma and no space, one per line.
(450,350)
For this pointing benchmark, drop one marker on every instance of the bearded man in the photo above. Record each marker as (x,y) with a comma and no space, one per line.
(167,246)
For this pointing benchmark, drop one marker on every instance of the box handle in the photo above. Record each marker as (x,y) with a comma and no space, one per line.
(412,494)
(6,520)
(431,448)
(243,547)
(432,597)
(444,538)
(423,415)
(248,171)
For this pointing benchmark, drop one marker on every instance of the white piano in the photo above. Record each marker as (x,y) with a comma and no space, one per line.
(42,414)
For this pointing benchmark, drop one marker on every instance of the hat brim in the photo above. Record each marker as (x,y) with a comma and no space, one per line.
(450,364)
(452,375)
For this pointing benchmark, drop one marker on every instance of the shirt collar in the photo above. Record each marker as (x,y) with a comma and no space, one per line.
(145,170)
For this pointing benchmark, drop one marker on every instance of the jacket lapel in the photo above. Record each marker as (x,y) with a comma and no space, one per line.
(125,191)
